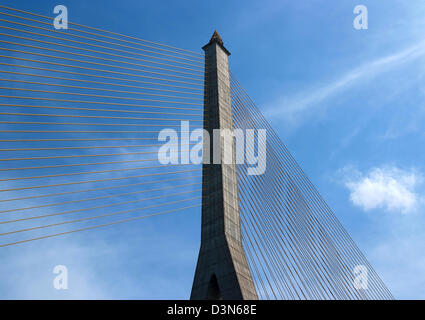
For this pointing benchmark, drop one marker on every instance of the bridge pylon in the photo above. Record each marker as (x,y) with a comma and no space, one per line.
(222,270)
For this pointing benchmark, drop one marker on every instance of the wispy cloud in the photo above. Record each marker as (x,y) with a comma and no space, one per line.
(292,109)
(388,188)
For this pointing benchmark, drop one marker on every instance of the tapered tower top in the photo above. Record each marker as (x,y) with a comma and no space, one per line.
(216,39)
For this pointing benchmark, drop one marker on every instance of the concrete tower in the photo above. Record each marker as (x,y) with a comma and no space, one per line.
(222,270)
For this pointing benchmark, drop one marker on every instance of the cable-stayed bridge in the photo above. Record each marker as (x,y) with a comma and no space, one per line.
(83,111)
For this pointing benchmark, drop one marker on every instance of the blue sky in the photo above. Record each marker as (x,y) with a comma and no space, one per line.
(348,104)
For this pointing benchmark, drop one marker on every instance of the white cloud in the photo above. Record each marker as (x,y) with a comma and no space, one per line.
(388,188)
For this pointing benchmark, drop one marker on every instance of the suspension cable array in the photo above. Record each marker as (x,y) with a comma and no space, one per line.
(296,247)
(80,114)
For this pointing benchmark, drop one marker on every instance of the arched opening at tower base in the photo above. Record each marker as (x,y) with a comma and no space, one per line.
(213,289)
